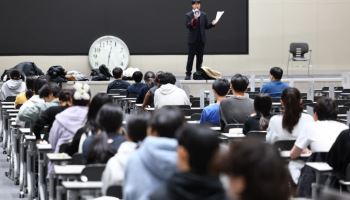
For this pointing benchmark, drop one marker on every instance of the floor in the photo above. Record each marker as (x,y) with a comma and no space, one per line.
(8,190)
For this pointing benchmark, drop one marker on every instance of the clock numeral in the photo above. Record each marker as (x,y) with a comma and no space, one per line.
(95,56)
(121,64)
(96,64)
(115,44)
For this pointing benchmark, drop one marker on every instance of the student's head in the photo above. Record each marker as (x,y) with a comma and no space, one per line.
(158,77)
(256,171)
(15,74)
(100,151)
(81,96)
(117,73)
(325,109)
(291,101)
(276,73)
(149,77)
(165,122)
(239,83)
(30,82)
(166,78)
(137,76)
(263,104)
(196,4)
(221,87)
(96,103)
(38,83)
(136,127)
(198,145)
(49,91)
(65,97)
(110,118)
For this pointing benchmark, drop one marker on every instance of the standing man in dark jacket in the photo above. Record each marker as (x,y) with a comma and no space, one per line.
(196,22)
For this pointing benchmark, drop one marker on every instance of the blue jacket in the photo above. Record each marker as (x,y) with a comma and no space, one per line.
(149,167)
(274,88)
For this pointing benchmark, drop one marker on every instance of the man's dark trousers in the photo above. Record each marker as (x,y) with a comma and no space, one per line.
(195,49)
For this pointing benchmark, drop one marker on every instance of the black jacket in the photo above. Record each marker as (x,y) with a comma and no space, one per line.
(188,186)
(192,25)
(339,155)
(46,118)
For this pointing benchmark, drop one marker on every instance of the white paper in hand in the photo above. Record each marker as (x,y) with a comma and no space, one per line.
(218,16)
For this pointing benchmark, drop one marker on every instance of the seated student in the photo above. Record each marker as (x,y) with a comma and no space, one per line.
(149,79)
(47,117)
(238,108)
(71,119)
(90,126)
(136,130)
(211,114)
(135,89)
(12,87)
(155,160)
(149,96)
(259,121)
(49,93)
(256,171)
(101,146)
(195,178)
(276,86)
(38,83)
(22,97)
(321,136)
(292,125)
(168,93)
(118,83)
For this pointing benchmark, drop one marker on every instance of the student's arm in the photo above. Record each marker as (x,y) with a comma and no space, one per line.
(191,22)
(295,152)
(147,100)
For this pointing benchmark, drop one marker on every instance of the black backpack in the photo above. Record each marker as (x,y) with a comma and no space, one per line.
(100,74)
(201,75)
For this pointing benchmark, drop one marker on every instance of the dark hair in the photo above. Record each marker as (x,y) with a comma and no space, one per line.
(137,76)
(158,75)
(136,127)
(96,103)
(38,83)
(221,87)
(49,88)
(293,108)
(326,109)
(166,121)
(166,78)
(15,74)
(117,72)
(276,72)
(65,95)
(239,83)
(201,144)
(110,118)
(264,171)
(262,107)
(100,151)
(30,82)
(149,76)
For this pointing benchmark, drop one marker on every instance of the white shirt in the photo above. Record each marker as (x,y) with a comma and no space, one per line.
(276,132)
(321,135)
(170,94)
(115,167)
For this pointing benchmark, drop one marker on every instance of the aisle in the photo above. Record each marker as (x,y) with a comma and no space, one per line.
(8,190)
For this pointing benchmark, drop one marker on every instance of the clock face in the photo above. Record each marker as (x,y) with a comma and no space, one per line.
(110,51)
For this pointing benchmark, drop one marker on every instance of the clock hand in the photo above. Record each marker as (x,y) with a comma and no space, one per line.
(109,55)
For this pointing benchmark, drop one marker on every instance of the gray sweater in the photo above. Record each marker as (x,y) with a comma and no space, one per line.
(235,110)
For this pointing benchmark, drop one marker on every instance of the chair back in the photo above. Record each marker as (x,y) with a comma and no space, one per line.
(115,191)
(298,49)
(78,159)
(261,135)
(229,126)
(117,91)
(196,116)
(92,172)
(284,145)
